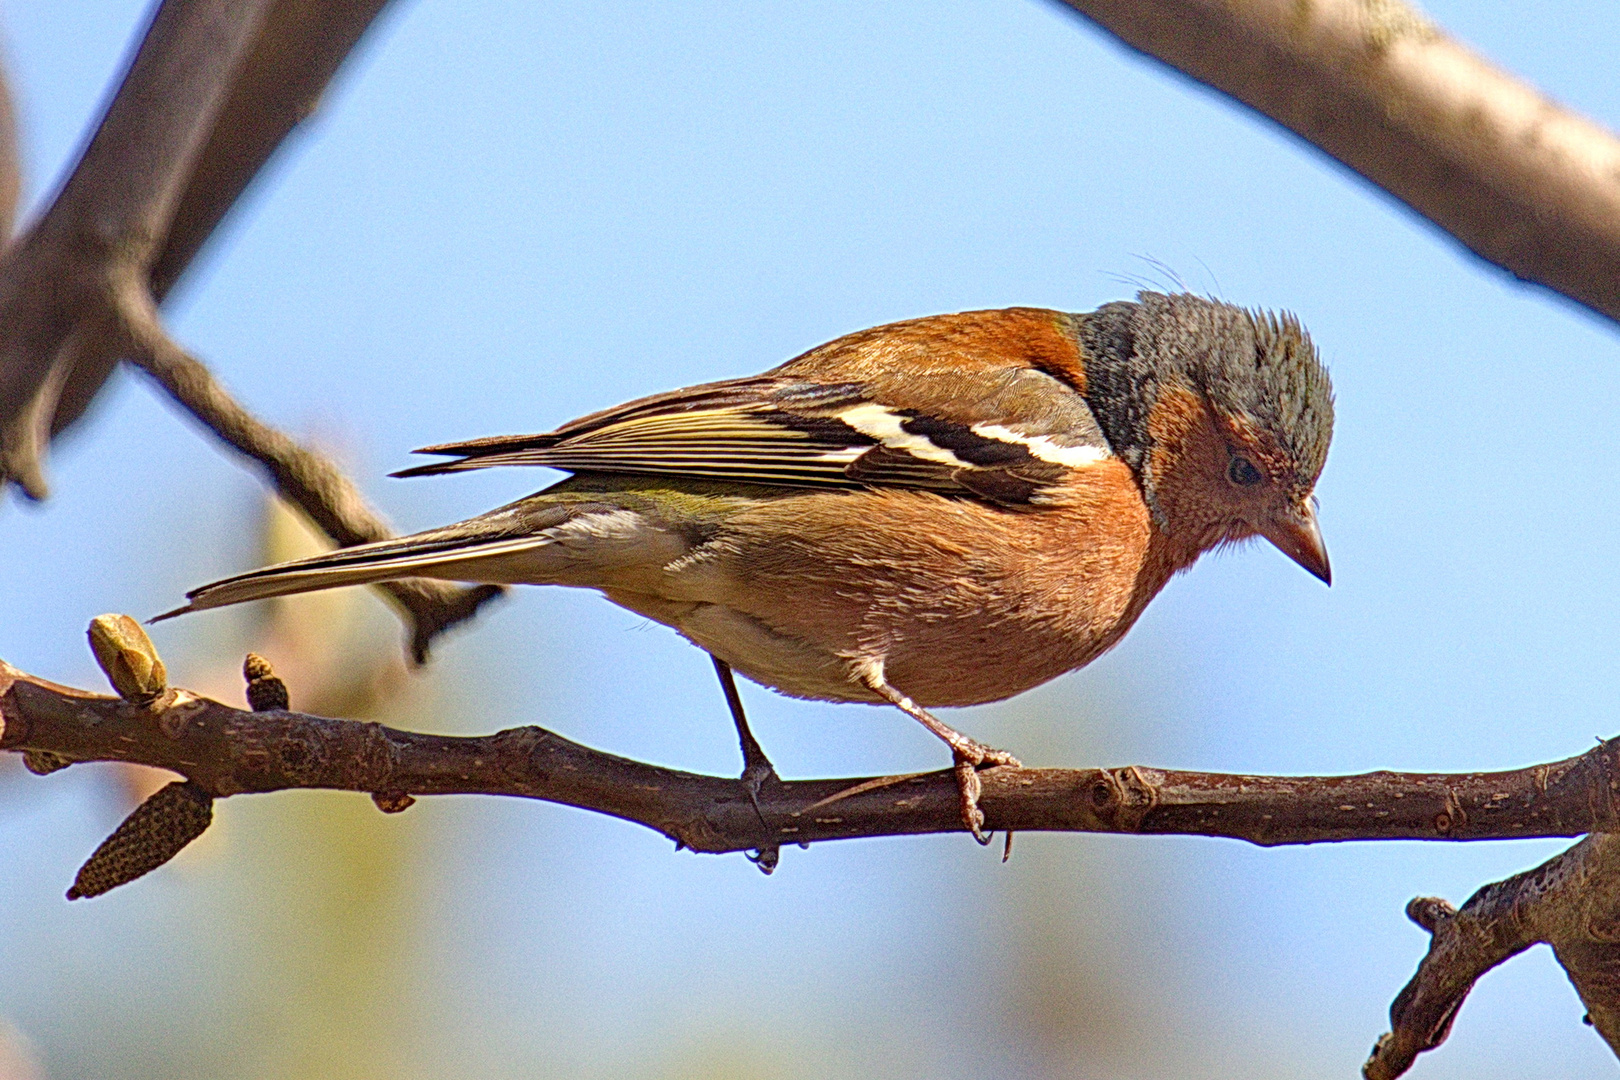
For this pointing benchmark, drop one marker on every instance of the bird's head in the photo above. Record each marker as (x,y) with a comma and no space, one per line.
(1224,414)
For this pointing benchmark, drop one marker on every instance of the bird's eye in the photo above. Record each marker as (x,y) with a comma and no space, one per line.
(1242,472)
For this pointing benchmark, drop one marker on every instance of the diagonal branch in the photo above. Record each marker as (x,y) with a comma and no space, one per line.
(304,478)
(113,212)
(1571,902)
(1516,178)
(297,52)
(214,88)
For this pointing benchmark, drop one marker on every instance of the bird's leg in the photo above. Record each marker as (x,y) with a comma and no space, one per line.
(970,754)
(757,768)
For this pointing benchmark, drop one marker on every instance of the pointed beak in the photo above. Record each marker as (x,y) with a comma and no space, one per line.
(1297,535)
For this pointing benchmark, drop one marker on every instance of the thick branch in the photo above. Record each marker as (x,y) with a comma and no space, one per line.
(126,186)
(213,90)
(227,751)
(298,50)
(1519,180)
(1571,902)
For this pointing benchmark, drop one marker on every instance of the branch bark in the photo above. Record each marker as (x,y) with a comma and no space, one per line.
(227,751)
(1519,180)
(214,89)
(1571,902)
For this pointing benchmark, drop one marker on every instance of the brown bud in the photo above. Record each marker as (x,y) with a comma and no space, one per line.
(392,802)
(153,834)
(128,657)
(265,691)
(43,762)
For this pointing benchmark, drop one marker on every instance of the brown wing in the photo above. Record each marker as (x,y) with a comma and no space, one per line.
(943,431)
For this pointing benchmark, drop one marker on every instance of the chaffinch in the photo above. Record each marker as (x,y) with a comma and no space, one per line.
(944,511)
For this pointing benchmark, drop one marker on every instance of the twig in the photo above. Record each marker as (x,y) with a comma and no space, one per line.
(303,477)
(1516,178)
(1571,902)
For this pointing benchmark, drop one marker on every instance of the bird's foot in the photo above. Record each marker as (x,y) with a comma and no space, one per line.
(970,757)
(970,754)
(755,775)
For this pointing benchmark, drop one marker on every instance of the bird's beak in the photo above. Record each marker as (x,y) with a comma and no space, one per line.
(1297,535)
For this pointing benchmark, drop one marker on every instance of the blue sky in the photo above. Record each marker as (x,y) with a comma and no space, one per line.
(508,214)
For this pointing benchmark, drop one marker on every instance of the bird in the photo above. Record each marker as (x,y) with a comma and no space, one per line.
(943,511)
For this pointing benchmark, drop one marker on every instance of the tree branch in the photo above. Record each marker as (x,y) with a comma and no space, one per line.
(213,90)
(1520,181)
(112,212)
(227,751)
(297,52)
(1571,902)
(306,479)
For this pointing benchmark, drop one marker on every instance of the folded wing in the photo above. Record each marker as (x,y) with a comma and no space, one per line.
(1005,438)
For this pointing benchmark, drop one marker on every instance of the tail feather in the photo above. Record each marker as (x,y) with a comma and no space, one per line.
(363,564)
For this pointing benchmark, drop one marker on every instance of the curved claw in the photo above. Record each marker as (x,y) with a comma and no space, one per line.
(755,777)
(968,785)
(970,755)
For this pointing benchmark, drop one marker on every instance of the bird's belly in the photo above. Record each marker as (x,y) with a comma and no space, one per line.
(964,662)
(941,662)
(958,605)
(787,664)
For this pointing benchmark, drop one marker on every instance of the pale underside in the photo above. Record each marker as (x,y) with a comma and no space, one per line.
(957,607)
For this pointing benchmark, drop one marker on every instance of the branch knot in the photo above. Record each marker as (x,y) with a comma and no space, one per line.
(1122,798)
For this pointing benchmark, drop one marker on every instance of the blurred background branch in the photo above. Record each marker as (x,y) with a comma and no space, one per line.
(213,90)
(1514,177)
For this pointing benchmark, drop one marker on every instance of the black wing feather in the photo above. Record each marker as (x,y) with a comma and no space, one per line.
(777,431)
